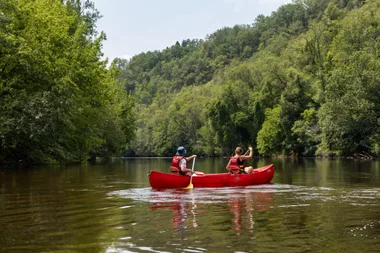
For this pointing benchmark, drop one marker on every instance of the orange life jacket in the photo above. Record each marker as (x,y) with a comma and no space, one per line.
(175,168)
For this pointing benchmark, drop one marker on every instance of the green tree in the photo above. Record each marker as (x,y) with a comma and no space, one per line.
(307,132)
(55,92)
(295,98)
(228,114)
(270,137)
(348,119)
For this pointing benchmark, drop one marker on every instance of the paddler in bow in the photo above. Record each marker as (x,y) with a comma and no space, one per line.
(238,163)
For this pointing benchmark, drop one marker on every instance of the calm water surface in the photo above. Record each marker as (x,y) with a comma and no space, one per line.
(311,206)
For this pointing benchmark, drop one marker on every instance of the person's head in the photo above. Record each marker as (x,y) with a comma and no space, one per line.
(181,151)
(238,151)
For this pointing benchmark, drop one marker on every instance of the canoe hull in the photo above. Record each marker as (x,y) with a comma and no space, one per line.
(162,180)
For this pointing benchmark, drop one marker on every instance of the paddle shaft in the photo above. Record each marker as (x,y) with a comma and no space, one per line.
(191,177)
(246,152)
(192,169)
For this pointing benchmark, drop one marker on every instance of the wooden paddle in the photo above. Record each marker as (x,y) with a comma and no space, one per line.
(190,186)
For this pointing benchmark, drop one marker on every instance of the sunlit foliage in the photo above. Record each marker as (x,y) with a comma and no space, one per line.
(58,101)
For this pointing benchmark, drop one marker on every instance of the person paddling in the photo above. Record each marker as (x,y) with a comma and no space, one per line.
(179,162)
(237,163)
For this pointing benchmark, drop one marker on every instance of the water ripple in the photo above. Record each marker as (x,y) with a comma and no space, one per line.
(297,196)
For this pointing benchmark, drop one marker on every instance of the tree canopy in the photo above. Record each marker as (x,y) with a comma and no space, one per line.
(301,81)
(58,101)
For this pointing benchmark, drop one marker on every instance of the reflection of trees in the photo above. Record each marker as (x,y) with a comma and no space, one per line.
(53,204)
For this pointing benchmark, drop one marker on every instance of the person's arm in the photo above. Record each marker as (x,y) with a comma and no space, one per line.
(191,157)
(228,165)
(249,156)
(182,165)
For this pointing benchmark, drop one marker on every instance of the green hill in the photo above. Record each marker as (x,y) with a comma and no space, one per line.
(302,81)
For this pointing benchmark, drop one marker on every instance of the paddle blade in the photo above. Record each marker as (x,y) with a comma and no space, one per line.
(190,186)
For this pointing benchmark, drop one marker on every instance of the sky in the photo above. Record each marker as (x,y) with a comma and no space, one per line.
(136,26)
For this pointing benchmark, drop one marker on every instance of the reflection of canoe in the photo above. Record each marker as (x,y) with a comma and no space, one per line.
(165,180)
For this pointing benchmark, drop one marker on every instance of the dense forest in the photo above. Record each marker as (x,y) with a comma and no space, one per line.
(302,81)
(58,101)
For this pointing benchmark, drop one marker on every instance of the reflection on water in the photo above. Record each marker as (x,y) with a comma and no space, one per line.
(311,206)
(184,203)
(263,209)
(256,212)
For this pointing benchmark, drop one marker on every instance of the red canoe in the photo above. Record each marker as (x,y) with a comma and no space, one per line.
(162,180)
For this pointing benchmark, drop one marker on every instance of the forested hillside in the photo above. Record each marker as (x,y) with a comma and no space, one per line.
(58,100)
(303,81)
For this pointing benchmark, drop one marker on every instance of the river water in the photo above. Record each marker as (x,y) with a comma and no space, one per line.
(311,205)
